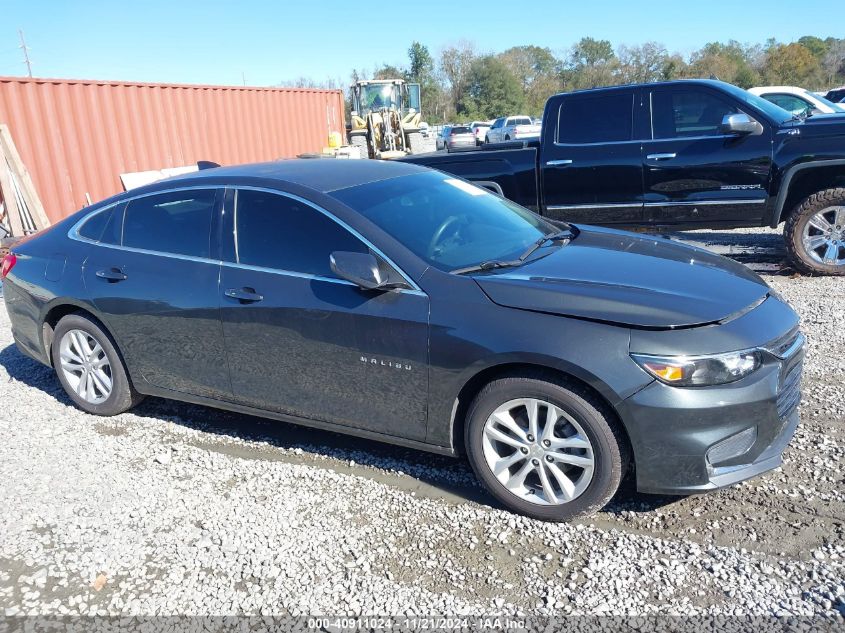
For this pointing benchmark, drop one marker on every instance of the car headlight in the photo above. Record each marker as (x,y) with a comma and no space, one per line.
(700,371)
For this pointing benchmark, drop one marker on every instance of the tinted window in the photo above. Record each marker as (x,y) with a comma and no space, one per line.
(688,112)
(521,121)
(95,225)
(790,103)
(460,130)
(177,222)
(445,221)
(596,118)
(275,231)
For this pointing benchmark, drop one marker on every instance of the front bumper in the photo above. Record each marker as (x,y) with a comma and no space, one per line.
(699,439)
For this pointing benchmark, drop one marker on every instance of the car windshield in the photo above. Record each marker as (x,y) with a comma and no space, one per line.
(460,130)
(836,107)
(775,112)
(445,221)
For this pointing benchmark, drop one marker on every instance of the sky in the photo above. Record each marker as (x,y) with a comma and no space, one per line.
(267,42)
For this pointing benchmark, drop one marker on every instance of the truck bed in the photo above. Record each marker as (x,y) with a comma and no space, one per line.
(508,168)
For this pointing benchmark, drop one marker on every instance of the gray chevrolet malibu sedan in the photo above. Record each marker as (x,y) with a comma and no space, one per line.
(398,303)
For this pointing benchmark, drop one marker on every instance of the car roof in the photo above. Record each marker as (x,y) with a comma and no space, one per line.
(655,84)
(321,175)
(758,89)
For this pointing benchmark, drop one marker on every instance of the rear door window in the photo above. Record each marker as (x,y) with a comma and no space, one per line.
(596,118)
(279,232)
(104,227)
(177,222)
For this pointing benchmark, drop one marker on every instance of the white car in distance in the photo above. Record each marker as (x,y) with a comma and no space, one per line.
(797,100)
(512,128)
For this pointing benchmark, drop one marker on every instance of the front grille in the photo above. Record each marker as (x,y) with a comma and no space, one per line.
(789,394)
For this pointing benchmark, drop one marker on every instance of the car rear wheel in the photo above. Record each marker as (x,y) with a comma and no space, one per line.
(815,233)
(545,448)
(89,367)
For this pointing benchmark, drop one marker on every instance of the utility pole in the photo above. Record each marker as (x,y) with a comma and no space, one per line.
(25,50)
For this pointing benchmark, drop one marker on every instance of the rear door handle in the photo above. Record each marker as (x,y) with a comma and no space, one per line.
(667,156)
(559,163)
(111,274)
(244,295)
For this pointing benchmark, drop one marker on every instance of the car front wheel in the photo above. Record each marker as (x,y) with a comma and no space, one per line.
(89,367)
(815,233)
(545,448)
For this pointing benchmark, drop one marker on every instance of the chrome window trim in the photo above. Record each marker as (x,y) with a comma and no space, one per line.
(690,203)
(414,287)
(591,205)
(73,233)
(570,96)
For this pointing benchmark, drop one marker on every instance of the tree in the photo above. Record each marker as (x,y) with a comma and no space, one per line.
(833,63)
(792,64)
(817,46)
(639,64)
(388,71)
(422,64)
(591,63)
(537,70)
(732,62)
(455,64)
(491,90)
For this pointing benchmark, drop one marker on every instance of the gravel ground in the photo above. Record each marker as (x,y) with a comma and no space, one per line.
(179,509)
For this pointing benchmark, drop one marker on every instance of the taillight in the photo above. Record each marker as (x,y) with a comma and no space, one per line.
(9,262)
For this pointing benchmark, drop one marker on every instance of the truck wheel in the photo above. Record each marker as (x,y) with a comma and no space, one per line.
(360,141)
(815,233)
(545,447)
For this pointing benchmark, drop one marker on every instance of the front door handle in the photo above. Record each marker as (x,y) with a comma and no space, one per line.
(244,295)
(559,163)
(111,275)
(667,156)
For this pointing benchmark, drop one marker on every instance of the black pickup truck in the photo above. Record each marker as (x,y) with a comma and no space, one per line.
(677,155)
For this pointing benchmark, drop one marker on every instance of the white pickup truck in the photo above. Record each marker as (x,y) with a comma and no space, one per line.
(512,128)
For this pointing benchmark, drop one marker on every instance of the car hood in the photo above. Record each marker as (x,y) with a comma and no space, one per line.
(822,125)
(628,279)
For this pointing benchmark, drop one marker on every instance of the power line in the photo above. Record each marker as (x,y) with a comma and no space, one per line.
(25,50)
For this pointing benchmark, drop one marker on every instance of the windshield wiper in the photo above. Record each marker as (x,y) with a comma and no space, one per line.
(488,265)
(566,234)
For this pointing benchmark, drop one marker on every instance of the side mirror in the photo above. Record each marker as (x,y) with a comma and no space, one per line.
(740,124)
(362,269)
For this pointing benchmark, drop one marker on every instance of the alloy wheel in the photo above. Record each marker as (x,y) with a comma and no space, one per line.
(824,236)
(538,451)
(85,366)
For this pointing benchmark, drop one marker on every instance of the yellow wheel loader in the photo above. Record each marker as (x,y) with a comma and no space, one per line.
(385,118)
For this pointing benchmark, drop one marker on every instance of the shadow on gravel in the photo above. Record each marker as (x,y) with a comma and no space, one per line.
(427,474)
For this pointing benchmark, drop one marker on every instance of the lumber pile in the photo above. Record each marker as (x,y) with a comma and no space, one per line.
(21,211)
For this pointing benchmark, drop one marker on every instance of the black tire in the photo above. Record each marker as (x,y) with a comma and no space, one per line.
(123,395)
(486,140)
(610,446)
(507,138)
(796,222)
